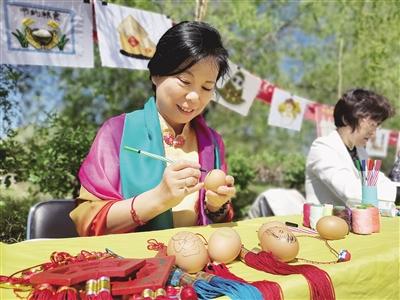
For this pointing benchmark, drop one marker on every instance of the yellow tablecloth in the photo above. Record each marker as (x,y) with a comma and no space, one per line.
(372,273)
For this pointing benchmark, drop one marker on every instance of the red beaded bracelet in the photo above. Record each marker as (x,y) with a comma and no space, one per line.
(134,215)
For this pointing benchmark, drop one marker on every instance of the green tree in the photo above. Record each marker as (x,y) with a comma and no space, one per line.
(12,80)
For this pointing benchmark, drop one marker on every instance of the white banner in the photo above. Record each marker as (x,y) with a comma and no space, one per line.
(377,146)
(46,32)
(127,36)
(286,110)
(239,90)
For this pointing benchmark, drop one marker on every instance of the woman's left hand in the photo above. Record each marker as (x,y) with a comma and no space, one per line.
(223,194)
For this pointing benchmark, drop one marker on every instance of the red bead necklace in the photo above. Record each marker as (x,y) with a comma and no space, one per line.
(173,141)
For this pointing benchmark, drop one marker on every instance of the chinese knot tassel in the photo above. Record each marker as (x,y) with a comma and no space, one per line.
(319,282)
(66,293)
(42,292)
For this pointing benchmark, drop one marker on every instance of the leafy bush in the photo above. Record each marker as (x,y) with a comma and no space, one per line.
(51,158)
(64,144)
(14,160)
(277,169)
(293,169)
(13,218)
(241,168)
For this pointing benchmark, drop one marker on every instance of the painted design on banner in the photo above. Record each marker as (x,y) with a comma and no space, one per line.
(128,36)
(134,39)
(266,91)
(46,32)
(233,89)
(289,109)
(286,110)
(324,119)
(238,91)
(378,144)
(41,38)
(38,27)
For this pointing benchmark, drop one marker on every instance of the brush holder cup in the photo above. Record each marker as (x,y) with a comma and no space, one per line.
(369,195)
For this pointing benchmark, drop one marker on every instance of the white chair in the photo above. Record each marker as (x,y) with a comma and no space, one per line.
(277,202)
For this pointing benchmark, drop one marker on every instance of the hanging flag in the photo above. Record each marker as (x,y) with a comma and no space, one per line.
(324,119)
(128,36)
(238,91)
(266,91)
(309,113)
(47,32)
(377,146)
(393,137)
(286,110)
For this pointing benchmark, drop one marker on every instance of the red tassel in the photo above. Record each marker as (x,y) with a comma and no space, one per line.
(42,292)
(66,293)
(269,289)
(104,295)
(319,282)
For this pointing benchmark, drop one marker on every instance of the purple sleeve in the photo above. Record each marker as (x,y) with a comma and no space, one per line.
(99,173)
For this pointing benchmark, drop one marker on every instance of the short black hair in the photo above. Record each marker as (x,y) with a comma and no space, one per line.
(356,104)
(185,44)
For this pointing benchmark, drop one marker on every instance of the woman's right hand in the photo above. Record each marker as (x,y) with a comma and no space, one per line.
(179,180)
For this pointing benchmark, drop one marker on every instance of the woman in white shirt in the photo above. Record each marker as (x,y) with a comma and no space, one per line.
(331,173)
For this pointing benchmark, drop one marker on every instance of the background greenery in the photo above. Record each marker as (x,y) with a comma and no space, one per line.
(314,49)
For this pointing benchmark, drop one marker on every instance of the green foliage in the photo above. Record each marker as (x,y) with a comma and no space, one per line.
(11,80)
(369,57)
(241,168)
(58,154)
(50,159)
(294,171)
(13,218)
(14,160)
(276,169)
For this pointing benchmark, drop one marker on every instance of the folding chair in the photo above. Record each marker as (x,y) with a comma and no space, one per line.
(50,219)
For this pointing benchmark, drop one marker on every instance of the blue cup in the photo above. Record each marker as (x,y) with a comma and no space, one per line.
(369,195)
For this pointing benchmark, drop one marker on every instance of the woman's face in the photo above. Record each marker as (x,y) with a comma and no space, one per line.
(182,97)
(366,129)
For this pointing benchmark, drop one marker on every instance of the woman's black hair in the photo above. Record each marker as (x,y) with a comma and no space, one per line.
(356,104)
(185,44)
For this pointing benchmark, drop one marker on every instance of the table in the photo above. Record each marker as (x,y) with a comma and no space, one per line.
(372,273)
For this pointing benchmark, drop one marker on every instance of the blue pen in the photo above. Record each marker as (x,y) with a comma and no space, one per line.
(363,172)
